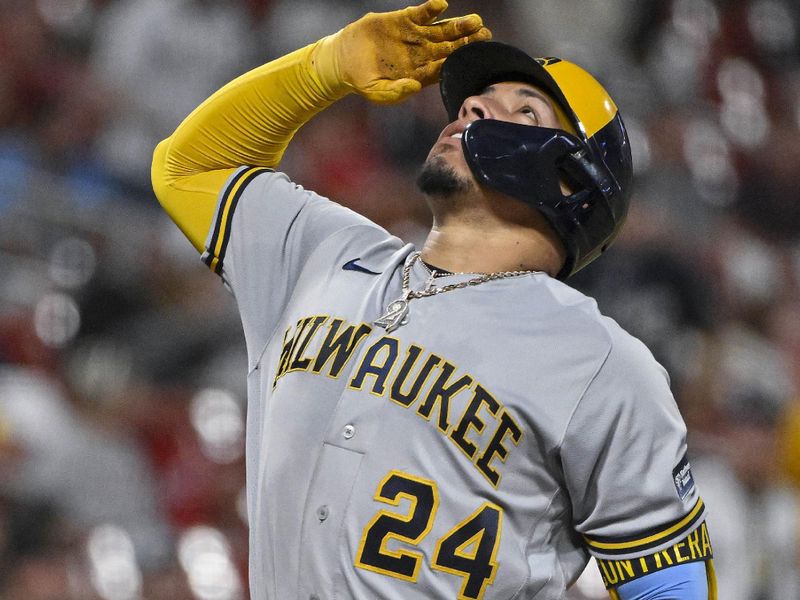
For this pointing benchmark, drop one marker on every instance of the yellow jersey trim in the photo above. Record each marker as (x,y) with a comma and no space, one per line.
(663,535)
(218,241)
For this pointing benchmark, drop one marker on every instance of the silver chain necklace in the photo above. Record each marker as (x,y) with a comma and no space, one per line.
(396,313)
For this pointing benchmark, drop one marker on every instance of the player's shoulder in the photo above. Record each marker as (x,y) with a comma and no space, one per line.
(342,235)
(277,192)
(266,183)
(574,310)
(625,353)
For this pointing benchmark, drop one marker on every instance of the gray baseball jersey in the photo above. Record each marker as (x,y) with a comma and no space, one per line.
(481,450)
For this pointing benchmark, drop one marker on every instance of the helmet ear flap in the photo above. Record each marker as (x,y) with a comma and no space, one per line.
(584,174)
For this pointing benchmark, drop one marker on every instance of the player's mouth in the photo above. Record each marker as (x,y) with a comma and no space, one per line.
(454,139)
(453,130)
(452,134)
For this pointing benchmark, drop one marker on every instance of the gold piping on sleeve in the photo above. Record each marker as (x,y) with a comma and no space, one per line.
(698,508)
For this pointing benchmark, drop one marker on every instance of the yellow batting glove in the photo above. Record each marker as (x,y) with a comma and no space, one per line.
(386,57)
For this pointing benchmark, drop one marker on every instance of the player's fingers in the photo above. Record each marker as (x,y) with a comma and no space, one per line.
(445,49)
(426,13)
(429,73)
(452,29)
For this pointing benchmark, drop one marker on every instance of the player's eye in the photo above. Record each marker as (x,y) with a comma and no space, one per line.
(529,112)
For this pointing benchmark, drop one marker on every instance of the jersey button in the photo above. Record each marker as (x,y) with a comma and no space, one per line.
(323,512)
(348,431)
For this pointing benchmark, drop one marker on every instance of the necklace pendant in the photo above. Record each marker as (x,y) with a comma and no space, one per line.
(431,283)
(396,315)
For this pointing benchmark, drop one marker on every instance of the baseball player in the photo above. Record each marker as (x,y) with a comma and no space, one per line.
(455,422)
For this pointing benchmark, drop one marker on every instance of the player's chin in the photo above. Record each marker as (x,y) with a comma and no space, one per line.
(439,177)
(448,151)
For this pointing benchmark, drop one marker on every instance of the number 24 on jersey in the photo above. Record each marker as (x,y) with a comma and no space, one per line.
(468,550)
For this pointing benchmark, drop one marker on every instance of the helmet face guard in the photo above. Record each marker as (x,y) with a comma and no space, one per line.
(529,163)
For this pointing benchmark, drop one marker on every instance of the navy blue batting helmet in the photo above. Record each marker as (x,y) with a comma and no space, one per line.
(529,162)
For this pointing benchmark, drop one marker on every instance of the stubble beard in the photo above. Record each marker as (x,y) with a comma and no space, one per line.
(439,180)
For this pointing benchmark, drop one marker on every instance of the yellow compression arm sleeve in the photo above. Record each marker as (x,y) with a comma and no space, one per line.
(249,121)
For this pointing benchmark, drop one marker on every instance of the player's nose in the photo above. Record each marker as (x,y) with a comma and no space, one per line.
(476,107)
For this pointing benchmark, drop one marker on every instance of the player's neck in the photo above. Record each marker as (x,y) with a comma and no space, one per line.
(483,231)
(463,247)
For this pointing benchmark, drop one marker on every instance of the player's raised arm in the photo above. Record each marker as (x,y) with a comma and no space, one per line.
(384,57)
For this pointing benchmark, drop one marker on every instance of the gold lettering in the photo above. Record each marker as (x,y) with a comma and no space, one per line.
(288,349)
(485,444)
(375,365)
(677,549)
(298,362)
(339,346)
(667,557)
(694,544)
(609,575)
(471,420)
(600,568)
(643,564)
(441,393)
(298,333)
(496,448)
(706,542)
(286,352)
(407,398)
(627,567)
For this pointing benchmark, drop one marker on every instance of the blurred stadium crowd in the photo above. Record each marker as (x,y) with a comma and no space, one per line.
(121,358)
